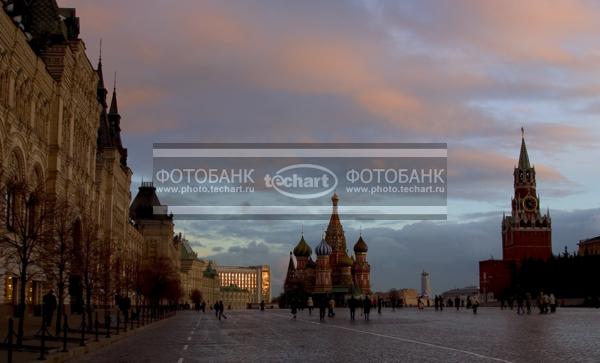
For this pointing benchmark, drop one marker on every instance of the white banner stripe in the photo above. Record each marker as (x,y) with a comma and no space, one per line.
(305,153)
(347,210)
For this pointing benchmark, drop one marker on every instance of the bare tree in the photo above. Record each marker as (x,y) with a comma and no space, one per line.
(27,219)
(60,253)
(196,297)
(160,281)
(89,261)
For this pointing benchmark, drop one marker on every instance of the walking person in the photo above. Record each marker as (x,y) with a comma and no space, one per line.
(294,307)
(322,303)
(528,303)
(552,301)
(330,306)
(457,303)
(221,310)
(520,309)
(474,303)
(310,305)
(366,308)
(379,303)
(217,309)
(352,307)
(50,303)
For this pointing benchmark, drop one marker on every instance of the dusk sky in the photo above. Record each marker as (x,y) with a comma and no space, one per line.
(465,73)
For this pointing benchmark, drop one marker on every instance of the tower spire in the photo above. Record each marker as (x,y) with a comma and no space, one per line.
(523,156)
(114,110)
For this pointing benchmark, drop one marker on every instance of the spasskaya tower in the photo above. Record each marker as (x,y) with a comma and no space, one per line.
(526,233)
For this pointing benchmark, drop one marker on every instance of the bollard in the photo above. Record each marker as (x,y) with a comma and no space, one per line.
(96,323)
(43,342)
(10,336)
(118,322)
(82,340)
(65,332)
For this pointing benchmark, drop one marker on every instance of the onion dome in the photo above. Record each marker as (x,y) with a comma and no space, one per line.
(302,249)
(323,249)
(360,246)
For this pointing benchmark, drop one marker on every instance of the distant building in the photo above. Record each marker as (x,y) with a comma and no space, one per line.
(409,296)
(462,293)
(526,232)
(235,297)
(156,228)
(255,279)
(197,274)
(589,246)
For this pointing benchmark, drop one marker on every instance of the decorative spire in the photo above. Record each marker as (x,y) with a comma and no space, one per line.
(99,70)
(524,156)
(114,110)
(291,266)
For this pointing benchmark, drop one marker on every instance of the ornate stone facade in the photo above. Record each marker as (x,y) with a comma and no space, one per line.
(334,272)
(57,135)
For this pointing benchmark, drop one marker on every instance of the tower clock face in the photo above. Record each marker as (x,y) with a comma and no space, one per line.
(530,204)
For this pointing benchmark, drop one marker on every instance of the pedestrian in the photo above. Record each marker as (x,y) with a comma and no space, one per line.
(310,305)
(474,303)
(330,306)
(262,305)
(552,300)
(352,307)
(457,302)
(294,307)
(221,310)
(379,303)
(441,303)
(50,303)
(528,303)
(322,303)
(366,308)
(520,309)
(217,309)
(436,300)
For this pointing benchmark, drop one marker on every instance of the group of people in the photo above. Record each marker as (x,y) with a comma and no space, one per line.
(546,303)
(457,302)
(329,306)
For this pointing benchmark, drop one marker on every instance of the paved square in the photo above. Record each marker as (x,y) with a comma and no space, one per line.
(406,335)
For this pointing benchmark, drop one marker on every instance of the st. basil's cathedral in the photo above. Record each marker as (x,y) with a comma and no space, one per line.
(334,272)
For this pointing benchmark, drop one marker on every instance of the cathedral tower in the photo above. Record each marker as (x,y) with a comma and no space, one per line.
(361,268)
(526,233)
(323,270)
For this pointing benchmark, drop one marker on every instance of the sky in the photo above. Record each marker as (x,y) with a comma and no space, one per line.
(466,73)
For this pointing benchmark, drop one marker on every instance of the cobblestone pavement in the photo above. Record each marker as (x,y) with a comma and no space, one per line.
(406,335)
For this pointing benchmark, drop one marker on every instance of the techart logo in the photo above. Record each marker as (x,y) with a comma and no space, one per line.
(303,181)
